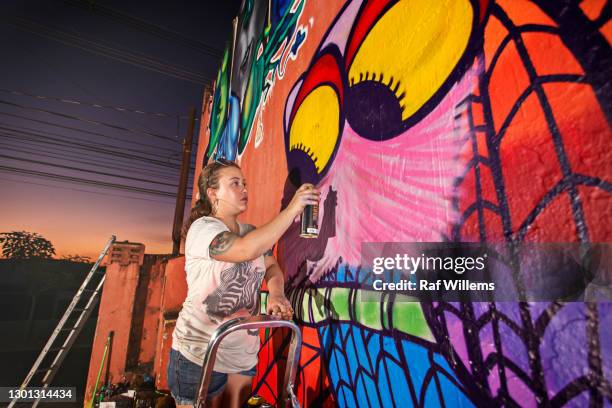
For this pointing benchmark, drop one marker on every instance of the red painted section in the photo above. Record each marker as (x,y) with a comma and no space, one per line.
(368,16)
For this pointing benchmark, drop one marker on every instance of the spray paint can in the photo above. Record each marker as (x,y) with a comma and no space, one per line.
(255,401)
(310,221)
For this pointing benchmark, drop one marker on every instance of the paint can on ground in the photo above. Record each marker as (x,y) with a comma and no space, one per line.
(255,401)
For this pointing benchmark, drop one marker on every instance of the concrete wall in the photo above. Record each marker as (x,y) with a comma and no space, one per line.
(141,298)
(116,316)
(426,121)
(174,288)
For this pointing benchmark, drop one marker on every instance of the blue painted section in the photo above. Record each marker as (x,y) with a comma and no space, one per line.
(367,370)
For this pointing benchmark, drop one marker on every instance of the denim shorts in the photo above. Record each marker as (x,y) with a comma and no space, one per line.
(184,376)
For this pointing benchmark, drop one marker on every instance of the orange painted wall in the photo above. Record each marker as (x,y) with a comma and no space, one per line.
(115,313)
(145,315)
(152,312)
(174,293)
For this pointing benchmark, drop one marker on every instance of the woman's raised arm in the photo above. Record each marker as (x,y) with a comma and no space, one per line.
(229,247)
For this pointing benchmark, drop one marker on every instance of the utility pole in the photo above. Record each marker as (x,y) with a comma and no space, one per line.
(181,194)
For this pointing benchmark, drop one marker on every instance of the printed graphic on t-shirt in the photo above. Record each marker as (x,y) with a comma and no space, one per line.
(239,289)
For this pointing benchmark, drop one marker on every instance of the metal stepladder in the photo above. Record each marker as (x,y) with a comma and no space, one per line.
(286,395)
(63,344)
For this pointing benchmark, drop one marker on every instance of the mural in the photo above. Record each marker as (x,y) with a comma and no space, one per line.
(454,120)
(265,41)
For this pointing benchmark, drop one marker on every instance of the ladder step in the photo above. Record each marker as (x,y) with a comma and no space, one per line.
(57,348)
(67,329)
(42,370)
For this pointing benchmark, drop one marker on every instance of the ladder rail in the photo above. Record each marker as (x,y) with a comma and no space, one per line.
(250,323)
(74,333)
(72,336)
(35,368)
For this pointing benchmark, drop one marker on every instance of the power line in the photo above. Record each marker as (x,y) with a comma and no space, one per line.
(130,57)
(19,135)
(96,163)
(91,105)
(86,181)
(35,147)
(55,152)
(100,173)
(50,144)
(123,55)
(93,149)
(63,137)
(90,121)
(50,136)
(69,77)
(81,190)
(71,128)
(147,26)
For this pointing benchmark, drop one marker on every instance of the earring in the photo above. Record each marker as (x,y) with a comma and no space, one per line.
(215,206)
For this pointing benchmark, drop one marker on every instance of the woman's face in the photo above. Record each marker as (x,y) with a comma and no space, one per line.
(232,192)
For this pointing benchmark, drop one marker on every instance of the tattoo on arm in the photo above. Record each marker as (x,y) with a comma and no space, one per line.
(222,243)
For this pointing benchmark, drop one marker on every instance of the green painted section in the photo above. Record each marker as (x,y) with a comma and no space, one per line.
(368,314)
(408,318)
(340,303)
(406,314)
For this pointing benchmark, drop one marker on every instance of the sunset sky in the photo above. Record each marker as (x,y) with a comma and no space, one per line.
(41,137)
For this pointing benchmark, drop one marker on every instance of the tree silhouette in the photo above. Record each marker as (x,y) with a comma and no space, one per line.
(25,245)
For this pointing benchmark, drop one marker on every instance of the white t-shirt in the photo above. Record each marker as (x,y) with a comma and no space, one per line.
(217,291)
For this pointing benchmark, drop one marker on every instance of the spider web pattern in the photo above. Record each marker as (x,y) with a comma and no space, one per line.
(484,138)
(525,353)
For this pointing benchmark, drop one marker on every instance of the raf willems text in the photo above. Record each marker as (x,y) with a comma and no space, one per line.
(411,265)
(437,285)
(478,272)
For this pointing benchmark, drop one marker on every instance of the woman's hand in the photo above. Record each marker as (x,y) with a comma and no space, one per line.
(307,194)
(279,306)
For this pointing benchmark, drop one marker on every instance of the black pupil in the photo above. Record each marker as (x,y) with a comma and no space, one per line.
(373,110)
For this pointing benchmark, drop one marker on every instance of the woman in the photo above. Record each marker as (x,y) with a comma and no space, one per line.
(225,262)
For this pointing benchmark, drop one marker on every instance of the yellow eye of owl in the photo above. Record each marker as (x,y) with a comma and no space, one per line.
(405,57)
(314,129)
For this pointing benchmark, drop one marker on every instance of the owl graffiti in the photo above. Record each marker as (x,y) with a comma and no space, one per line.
(453,121)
